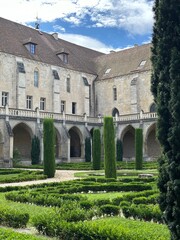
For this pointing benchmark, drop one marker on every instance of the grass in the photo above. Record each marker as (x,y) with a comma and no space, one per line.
(120,173)
(32,210)
(97,196)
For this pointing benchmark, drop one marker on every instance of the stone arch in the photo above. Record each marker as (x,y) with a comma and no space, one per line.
(153,149)
(152,107)
(1,146)
(128,141)
(58,150)
(115,112)
(22,140)
(75,142)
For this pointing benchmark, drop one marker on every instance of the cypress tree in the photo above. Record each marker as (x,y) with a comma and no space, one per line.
(49,148)
(88,150)
(35,150)
(139,148)
(165,84)
(119,150)
(96,149)
(109,148)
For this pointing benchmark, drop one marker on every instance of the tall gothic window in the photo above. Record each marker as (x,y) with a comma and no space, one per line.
(36,78)
(114,93)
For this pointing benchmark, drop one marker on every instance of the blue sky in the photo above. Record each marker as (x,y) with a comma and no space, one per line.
(102,25)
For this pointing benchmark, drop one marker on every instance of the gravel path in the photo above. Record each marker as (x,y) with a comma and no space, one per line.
(60,175)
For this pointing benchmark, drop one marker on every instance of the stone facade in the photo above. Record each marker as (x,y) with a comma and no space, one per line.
(76,94)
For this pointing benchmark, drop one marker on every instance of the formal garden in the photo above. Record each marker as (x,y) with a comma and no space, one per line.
(91,207)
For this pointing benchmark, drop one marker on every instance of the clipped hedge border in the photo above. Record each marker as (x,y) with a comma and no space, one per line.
(100,230)
(13,218)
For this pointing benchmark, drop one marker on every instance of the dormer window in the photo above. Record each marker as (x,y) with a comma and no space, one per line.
(63,55)
(31,46)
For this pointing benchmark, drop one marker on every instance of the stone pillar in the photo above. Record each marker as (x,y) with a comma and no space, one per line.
(7,112)
(11,143)
(64,119)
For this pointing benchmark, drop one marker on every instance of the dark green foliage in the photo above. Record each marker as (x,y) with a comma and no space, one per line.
(35,150)
(109,228)
(96,149)
(88,150)
(166,90)
(13,218)
(49,148)
(109,148)
(143,212)
(139,148)
(110,209)
(119,150)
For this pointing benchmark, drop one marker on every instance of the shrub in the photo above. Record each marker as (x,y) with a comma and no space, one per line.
(96,149)
(109,148)
(49,148)
(13,218)
(109,209)
(124,203)
(143,212)
(86,204)
(139,148)
(88,150)
(16,157)
(35,150)
(139,200)
(119,150)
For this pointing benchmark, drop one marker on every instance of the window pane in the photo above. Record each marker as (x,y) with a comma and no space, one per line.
(115,93)
(42,103)
(20,66)
(55,74)
(4,98)
(29,102)
(36,78)
(63,106)
(73,108)
(32,48)
(68,85)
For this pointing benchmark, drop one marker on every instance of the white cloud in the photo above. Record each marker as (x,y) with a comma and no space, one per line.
(89,42)
(134,16)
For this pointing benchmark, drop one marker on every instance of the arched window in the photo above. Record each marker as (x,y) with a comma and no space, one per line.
(153,107)
(36,78)
(115,112)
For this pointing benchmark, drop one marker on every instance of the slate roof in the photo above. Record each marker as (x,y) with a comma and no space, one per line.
(13,36)
(124,62)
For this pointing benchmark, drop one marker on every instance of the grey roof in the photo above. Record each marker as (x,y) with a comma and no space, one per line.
(14,36)
(124,62)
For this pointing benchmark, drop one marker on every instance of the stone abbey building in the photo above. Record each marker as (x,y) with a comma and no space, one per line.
(42,76)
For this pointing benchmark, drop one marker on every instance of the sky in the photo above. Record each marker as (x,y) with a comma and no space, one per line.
(102,25)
